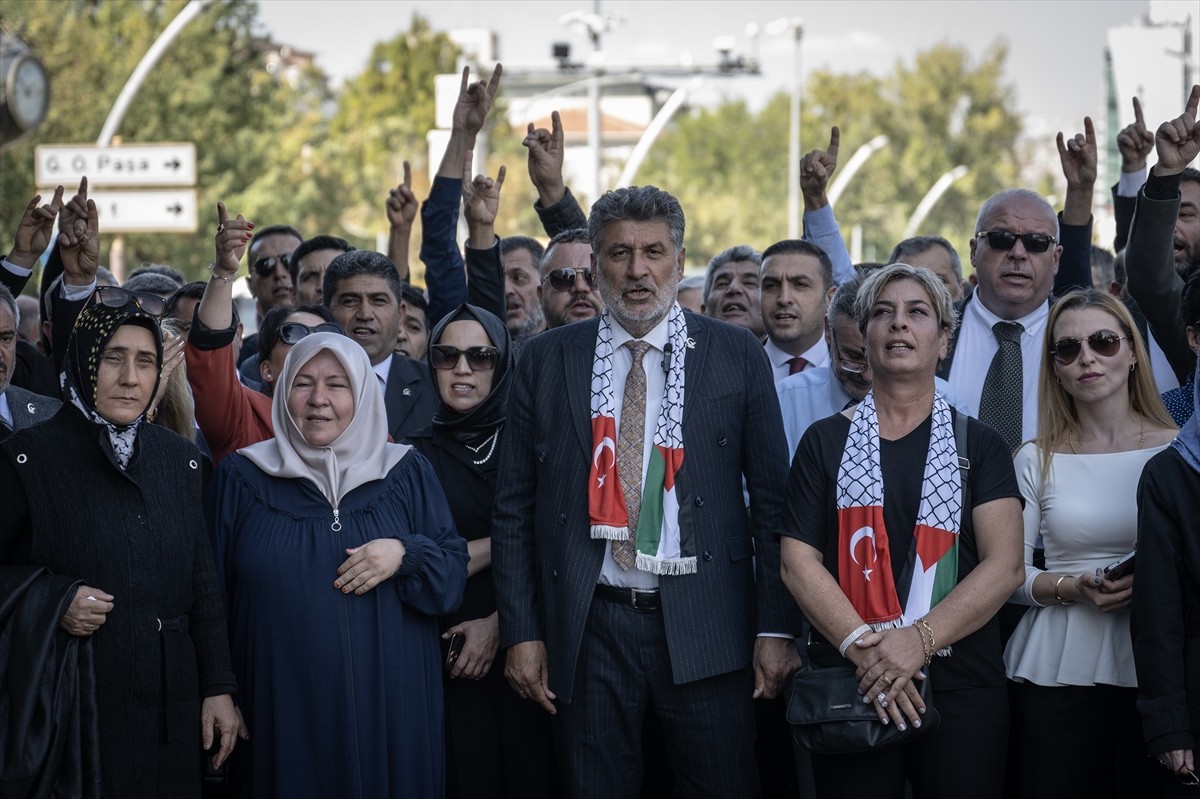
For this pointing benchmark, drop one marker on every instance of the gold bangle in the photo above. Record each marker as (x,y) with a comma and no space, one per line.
(1057,595)
(932,640)
(226,279)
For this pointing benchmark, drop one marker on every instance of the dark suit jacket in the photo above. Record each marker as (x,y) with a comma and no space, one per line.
(410,398)
(28,408)
(546,563)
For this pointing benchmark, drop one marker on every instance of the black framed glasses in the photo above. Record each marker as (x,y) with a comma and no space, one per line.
(1102,342)
(1004,240)
(479,359)
(845,364)
(117,297)
(564,279)
(265,266)
(294,332)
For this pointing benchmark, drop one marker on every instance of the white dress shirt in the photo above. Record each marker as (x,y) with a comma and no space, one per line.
(5,411)
(381,371)
(977,346)
(656,389)
(816,355)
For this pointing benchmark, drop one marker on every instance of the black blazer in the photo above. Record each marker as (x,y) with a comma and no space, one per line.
(27,408)
(410,397)
(547,565)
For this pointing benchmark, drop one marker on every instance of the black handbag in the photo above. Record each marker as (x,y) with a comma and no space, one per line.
(828,715)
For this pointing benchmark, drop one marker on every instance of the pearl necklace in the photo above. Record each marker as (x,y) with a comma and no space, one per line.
(1141,437)
(492,439)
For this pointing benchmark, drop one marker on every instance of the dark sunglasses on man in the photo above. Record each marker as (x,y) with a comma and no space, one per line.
(564,279)
(1004,240)
(266,266)
(1103,342)
(294,332)
(117,297)
(479,359)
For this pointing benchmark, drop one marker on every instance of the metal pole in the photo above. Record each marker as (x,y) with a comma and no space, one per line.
(673,104)
(794,143)
(116,253)
(594,142)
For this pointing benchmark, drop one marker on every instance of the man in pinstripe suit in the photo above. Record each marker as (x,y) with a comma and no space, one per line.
(591,637)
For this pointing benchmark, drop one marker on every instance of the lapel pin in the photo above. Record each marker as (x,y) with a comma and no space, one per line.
(691,343)
(407,392)
(30,408)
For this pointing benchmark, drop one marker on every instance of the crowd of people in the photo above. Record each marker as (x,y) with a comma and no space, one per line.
(566,522)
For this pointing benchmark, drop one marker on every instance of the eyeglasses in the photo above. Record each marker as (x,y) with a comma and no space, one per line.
(116,297)
(846,365)
(1103,342)
(564,279)
(265,266)
(1004,240)
(293,332)
(479,359)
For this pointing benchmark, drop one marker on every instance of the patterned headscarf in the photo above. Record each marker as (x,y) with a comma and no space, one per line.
(94,328)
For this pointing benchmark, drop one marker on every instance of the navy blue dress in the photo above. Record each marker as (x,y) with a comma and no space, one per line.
(342,693)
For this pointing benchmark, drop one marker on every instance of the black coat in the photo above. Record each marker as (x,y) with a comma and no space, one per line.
(139,535)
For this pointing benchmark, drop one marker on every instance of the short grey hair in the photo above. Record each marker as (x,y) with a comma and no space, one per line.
(842,304)
(640,204)
(919,244)
(8,299)
(877,281)
(738,252)
(993,203)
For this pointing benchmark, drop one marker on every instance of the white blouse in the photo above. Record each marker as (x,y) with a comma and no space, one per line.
(1086,516)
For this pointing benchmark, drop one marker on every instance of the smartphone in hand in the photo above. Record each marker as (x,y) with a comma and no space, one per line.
(456,644)
(1124,566)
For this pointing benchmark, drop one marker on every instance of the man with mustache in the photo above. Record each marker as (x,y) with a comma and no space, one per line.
(629,576)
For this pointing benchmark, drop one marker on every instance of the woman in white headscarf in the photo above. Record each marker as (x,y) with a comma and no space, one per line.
(338,553)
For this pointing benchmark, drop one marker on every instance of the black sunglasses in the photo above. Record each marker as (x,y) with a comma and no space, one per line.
(293,332)
(1005,239)
(479,359)
(564,279)
(117,297)
(1102,342)
(265,266)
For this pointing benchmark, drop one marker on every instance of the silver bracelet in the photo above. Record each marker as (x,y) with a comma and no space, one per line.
(226,279)
(858,632)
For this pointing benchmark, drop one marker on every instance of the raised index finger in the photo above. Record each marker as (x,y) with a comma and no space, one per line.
(83,187)
(1193,102)
(222,216)
(462,88)
(556,128)
(1089,131)
(56,203)
(835,138)
(407,175)
(1137,113)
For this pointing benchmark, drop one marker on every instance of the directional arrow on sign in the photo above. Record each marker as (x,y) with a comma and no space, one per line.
(146,210)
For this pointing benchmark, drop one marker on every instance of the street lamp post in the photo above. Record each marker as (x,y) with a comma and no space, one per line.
(796,26)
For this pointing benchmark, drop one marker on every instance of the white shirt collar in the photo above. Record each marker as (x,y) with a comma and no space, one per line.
(382,368)
(1033,322)
(657,337)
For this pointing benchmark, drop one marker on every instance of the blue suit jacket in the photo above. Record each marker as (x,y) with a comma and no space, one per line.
(546,564)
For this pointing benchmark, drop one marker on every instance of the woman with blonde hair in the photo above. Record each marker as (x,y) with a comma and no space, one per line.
(1100,419)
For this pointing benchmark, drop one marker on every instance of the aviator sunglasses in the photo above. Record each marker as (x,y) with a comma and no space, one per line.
(265,266)
(1102,342)
(1004,240)
(564,279)
(479,359)
(293,332)
(116,297)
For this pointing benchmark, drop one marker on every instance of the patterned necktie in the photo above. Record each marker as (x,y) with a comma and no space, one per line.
(631,441)
(796,364)
(1003,388)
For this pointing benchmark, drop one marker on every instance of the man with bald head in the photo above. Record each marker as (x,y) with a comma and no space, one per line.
(994,360)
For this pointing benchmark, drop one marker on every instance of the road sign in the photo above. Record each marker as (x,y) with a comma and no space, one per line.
(127,165)
(146,211)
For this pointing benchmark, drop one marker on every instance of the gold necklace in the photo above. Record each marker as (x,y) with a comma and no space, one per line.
(1141,435)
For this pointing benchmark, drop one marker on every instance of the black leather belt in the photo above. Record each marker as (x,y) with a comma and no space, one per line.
(648,600)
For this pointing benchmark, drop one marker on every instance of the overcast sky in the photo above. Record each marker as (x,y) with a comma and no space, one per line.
(1056,47)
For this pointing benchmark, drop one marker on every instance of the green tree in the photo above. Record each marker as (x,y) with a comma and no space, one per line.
(728,165)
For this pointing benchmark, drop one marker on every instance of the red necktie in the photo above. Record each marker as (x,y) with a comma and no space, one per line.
(796,364)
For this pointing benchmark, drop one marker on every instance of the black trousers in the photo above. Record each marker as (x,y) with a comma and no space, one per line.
(1074,740)
(624,669)
(964,757)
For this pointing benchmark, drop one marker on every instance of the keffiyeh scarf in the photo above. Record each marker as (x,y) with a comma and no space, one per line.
(662,546)
(865,567)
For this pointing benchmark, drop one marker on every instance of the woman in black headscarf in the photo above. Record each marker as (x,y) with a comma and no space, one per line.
(497,745)
(114,504)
